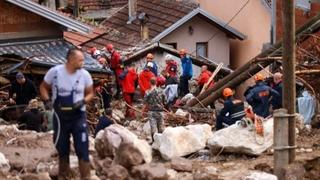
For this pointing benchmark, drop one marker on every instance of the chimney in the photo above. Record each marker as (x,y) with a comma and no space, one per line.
(144,32)
(76,8)
(132,4)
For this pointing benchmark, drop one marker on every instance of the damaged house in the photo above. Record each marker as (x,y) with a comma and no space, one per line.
(162,27)
(31,39)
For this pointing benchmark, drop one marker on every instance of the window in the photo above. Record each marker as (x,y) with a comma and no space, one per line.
(303,4)
(173,45)
(202,49)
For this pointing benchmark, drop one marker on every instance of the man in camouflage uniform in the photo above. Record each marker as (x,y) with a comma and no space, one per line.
(155,100)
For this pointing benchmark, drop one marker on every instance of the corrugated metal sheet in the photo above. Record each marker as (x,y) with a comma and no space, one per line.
(46,53)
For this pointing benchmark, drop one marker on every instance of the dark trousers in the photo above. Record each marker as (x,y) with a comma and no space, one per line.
(184,85)
(77,126)
(225,120)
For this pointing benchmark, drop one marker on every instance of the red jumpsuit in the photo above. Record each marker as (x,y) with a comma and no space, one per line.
(128,88)
(144,81)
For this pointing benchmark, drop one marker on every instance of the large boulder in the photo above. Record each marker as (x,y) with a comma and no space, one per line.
(257,175)
(237,139)
(181,141)
(4,164)
(108,141)
(128,155)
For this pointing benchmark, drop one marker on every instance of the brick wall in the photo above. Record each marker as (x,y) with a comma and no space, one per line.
(301,16)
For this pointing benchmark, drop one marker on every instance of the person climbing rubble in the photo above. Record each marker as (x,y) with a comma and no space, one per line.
(72,88)
(116,66)
(232,111)
(103,95)
(144,79)
(171,89)
(259,96)
(129,78)
(150,59)
(187,72)
(154,103)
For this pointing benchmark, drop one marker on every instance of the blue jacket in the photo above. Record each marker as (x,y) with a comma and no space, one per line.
(186,64)
(154,69)
(259,97)
(232,109)
(277,102)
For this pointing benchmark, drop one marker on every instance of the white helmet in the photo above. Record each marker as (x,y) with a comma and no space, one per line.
(150,64)
(168,57)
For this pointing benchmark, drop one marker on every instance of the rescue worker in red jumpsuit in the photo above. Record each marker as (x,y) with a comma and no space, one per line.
(204,77)
(144,78)
(115,66)
(129,78)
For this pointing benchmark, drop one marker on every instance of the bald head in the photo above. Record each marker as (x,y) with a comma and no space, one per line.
(75,58)
(277,78)
(204,68)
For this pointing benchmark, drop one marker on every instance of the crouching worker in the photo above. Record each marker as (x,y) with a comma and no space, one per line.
(33,118)
(154,103)
(232,111)
(72,88)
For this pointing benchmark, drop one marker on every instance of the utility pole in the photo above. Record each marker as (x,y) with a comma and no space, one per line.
(289,85)
(76,8)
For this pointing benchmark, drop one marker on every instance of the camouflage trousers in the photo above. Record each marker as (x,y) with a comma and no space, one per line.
(156,122)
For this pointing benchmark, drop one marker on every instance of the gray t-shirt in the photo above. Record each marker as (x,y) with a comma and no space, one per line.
(66,82)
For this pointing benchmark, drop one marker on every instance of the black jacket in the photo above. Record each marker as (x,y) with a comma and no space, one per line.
(31,120)
(24,92)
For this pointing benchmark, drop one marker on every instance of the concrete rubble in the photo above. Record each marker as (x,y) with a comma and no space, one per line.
(182,141)
(237,139)
(109,140)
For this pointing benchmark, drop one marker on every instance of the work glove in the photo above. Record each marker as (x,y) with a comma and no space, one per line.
(78,105)
(48,105)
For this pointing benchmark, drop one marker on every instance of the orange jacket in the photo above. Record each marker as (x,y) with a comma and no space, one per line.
(204,77)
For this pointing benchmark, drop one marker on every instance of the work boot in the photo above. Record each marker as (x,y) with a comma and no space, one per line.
(64,169)
(84,168)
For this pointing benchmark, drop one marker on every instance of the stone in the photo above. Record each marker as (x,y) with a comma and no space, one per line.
(237,139)
(108,141)
(181,141)
(294,171)
(117,172)
(181,164)
(4,164)
(204,176)
(42,167)
(128,155)
(118,115)
(147,129)
(40,176)
(172,174)
(151,171)
(257,175)
(91,144)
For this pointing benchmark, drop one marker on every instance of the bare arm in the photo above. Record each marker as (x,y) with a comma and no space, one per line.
(88,94)
(44,91)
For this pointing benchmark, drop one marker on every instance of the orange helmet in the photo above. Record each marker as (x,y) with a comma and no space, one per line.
(109,47)
(259,77)
(183,51)
(227,92)
(149,56)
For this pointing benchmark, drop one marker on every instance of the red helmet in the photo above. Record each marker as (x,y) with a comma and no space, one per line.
(109,47)
(227,92)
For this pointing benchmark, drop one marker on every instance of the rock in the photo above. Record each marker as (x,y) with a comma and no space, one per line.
(150,171)
(181,112)
(257,175)
(294,171)
(117,172)
(181,141)
(206,173)
(236,139)
(147,129)
(172,174)
(74,163)
(42,167)
(41,176)
(118,115)
(108,141)
(4,164)
(91,144)
(128,155)
(181,164)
